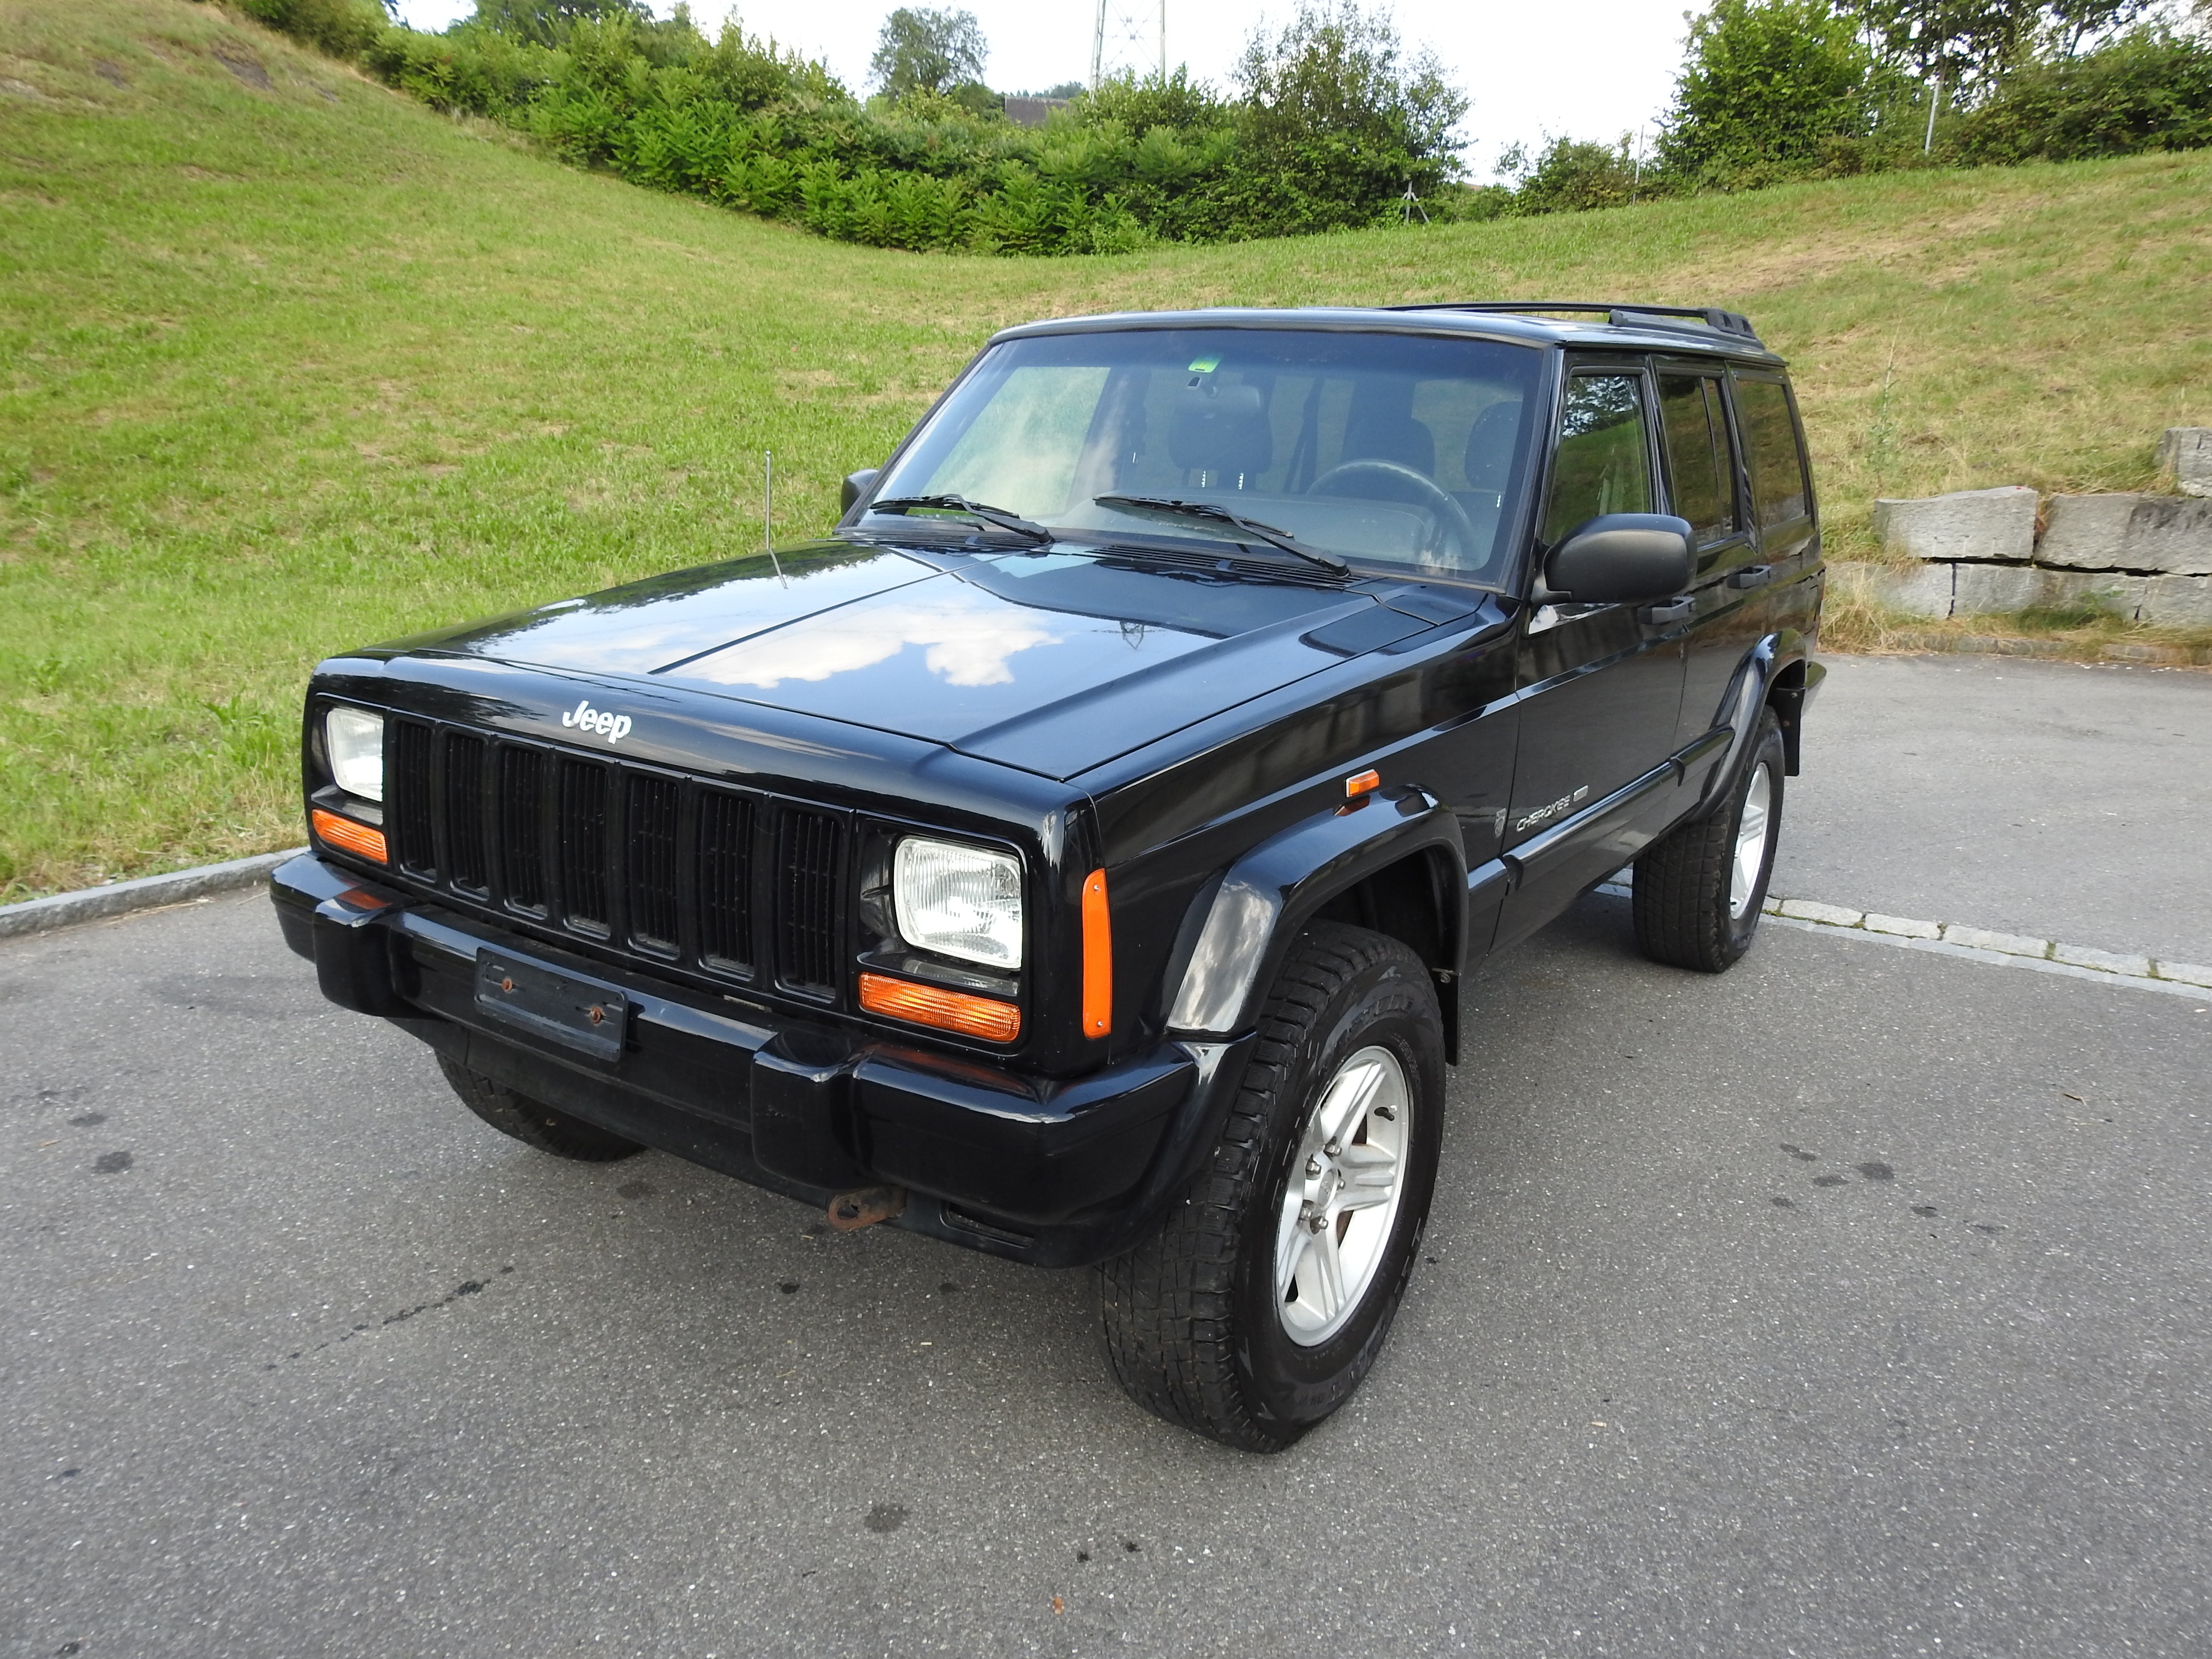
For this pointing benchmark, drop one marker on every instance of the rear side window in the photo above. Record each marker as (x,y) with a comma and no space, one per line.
(1778,470)
(1604,464)
(1697,458)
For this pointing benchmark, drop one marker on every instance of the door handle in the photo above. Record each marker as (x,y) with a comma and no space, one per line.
(1670,610)
(1752,575)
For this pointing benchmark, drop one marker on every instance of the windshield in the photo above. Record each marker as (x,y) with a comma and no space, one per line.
(1400,451)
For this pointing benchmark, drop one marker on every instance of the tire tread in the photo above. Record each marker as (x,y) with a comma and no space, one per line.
(1680,891)
(1167,1305)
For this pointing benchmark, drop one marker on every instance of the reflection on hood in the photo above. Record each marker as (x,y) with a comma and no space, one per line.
(970,637)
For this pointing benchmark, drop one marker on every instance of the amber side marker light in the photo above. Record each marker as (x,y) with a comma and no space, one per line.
(948,1010)
(1361,784)
(1098,959)
(359,839)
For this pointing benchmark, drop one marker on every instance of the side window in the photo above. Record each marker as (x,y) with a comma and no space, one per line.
(1778,471)
(1603,465)
(1697,458)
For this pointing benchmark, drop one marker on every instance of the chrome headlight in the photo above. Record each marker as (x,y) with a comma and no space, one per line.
(963,901)
(355,739)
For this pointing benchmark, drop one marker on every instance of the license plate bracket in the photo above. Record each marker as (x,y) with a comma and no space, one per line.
(574,1012)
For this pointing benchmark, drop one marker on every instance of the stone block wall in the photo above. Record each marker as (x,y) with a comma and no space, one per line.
(2146,557)
(2154,535)
(2185,455)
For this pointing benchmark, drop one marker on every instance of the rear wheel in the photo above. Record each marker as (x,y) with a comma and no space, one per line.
(1264,1297)
(1699,889)
(531,1121)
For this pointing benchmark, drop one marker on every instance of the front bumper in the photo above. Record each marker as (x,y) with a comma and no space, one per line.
(1054,1173)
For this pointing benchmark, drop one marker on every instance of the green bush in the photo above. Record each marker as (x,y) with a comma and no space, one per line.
(344,28)
(1771,89)
(1571,176)
(2147,90)
(1332,126)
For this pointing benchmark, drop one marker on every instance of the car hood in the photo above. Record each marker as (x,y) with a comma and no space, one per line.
(1053,661)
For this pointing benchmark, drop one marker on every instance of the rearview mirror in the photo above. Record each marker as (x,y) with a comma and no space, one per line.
(856,485)
(1622,558)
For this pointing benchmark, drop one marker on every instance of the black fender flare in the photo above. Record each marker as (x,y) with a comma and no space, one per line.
(1755,685)
(1264,900)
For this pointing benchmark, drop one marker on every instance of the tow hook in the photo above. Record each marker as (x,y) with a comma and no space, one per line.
(864,1206)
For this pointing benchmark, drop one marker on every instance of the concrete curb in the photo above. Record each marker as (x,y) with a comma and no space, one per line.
(1951,939)
(146,893)
(1916,640)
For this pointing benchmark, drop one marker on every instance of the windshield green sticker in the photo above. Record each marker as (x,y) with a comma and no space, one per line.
(1206,365)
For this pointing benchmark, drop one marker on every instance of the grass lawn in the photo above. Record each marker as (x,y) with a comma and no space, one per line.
(289,364)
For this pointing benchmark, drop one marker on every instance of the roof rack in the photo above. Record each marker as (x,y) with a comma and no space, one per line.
(1697,317)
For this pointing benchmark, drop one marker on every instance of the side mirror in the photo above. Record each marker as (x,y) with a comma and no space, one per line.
(856,485)
(1622,558)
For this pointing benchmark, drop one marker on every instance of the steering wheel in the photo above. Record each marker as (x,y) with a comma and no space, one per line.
(1448,509)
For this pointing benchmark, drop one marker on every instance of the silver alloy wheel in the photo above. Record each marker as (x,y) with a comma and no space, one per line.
(1750,841)
(1342,1199)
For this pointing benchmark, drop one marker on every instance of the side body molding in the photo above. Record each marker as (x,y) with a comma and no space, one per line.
(1271,892)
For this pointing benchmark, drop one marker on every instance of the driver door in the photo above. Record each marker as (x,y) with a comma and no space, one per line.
(1600,686)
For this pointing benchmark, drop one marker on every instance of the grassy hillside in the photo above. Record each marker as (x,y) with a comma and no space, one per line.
(288,363)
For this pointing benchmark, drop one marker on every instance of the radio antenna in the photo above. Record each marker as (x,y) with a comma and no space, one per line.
(767,512)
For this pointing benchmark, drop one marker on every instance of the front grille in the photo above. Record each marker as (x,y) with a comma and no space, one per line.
(725,880)
(583,845)
(738,885)
(467,858)
(409,799)
(808,914)
(650,833)
(522,827)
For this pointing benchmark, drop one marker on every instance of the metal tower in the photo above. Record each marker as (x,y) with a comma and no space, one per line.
(1126,34)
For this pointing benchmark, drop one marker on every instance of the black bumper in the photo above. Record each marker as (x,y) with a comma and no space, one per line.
(1058,1174)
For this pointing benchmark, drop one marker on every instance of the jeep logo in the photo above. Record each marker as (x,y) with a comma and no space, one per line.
(585,718)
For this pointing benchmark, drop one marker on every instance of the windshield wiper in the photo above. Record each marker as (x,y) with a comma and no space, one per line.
(1165,507)
(997,517)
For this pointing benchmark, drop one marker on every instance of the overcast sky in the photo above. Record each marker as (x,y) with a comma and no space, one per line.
(1590,68)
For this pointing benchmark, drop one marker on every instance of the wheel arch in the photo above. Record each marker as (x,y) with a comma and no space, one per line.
(1777,673)
(1396,867)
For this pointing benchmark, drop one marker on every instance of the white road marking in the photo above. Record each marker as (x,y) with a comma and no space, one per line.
(2042,955)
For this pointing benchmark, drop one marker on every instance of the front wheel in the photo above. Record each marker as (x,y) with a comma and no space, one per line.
(1700,888)
(1264,1297)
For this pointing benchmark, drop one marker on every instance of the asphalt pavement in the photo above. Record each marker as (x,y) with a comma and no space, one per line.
(1853,1303)
(2061,800)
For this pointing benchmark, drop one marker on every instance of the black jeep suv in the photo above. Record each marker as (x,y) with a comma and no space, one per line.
(1074,857)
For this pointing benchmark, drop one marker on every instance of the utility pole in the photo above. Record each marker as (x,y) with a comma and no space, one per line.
(1935,99)
(1126,19)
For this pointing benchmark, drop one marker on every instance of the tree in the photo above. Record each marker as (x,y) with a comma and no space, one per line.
(1342,121)
(922,50)
(1767,86)
(1971,43)
(547,22)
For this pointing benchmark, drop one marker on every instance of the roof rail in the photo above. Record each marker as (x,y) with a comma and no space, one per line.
(1696,318)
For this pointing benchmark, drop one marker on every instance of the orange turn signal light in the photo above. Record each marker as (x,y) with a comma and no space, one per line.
(1362,783)
(1098,959)
(948,1010)
(361,840)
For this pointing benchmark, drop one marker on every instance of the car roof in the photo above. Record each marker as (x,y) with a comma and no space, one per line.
(1618,327)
